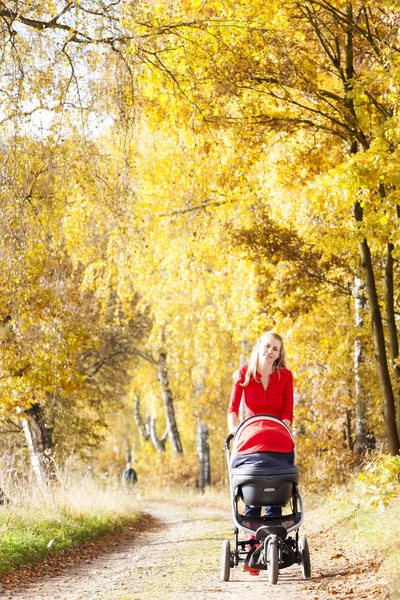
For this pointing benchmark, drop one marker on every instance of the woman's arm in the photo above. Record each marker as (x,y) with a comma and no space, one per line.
(232,422)
(235,399)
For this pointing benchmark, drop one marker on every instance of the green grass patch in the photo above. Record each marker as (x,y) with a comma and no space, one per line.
(34,526)
(23,545)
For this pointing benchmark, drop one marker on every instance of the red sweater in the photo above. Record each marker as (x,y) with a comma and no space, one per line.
(276,400)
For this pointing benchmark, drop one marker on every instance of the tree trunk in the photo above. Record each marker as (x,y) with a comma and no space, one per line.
(144,429)
(40,444)
(159,444)
(389,411)
(390,311)
(149,430)
(348,432)
(166,392)
(203,453)
(391,324)
(359,387)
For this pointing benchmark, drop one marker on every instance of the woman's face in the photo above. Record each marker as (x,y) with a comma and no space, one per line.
(269,350)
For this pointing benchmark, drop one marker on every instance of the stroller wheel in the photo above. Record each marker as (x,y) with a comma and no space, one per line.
(305,557)
(273,560)
(225,560)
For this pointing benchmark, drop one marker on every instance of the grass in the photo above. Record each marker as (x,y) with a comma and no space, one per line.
(34,524)
(214,497)
(371,527)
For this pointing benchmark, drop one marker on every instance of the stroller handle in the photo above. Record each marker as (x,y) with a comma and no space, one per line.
(228,441)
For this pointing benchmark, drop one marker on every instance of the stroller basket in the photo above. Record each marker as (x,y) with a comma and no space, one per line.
(267,488)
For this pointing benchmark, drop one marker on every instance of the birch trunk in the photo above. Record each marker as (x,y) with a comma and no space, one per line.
(40,444)
(158,443)
(348,432)
(391,325)
(142,427)
(203,454)
(169,408)
(361,399)
(148,430)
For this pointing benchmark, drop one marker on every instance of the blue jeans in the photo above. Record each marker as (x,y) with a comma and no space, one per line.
(270,511)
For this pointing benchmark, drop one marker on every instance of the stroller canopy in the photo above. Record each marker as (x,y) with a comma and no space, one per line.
(262,433)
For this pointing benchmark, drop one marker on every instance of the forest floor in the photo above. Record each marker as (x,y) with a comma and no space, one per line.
(177,557)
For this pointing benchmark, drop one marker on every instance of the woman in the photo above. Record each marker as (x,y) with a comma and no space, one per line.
(267,386)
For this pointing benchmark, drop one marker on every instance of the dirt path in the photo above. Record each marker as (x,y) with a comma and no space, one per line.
(179,559)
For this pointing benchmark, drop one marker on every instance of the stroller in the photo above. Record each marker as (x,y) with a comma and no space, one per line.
(262,473)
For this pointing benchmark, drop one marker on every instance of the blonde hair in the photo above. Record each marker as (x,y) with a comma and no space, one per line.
(279,363)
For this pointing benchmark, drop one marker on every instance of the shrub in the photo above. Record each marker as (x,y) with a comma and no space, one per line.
(379,481)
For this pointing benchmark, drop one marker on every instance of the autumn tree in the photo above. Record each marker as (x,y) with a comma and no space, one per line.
(318,69)
(178,177)
(66,352)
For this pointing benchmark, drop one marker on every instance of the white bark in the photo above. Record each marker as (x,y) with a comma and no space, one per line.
(36,459)
(359,388)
